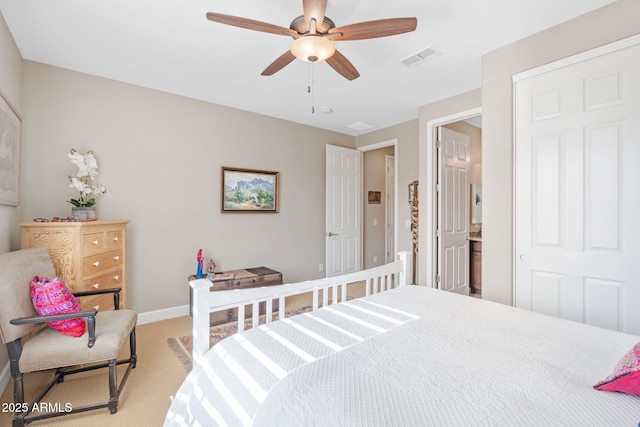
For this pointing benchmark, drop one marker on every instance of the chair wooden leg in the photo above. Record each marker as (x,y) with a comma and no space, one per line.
(132,348)
(17,422)
(14,349)
(113,387)
(18,399)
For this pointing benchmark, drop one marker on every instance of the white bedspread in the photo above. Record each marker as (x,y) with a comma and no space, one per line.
(412,356)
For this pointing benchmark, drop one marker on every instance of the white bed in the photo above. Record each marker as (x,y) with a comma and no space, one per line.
(410,356)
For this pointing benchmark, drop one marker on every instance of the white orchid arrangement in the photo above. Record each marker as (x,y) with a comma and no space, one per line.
(83,181)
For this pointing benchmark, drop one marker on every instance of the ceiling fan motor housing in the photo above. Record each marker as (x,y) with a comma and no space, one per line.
(301,27)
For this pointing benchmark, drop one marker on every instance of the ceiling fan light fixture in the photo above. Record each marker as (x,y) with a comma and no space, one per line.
(312,48)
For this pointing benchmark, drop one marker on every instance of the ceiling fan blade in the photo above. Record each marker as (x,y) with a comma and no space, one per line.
(373,29)
(250,24)
(277,65)
(314,9)
(342,65)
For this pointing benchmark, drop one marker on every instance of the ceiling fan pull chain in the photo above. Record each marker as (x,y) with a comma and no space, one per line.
(310,87)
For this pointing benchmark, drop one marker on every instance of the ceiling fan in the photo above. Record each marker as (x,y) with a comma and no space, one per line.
(313,34)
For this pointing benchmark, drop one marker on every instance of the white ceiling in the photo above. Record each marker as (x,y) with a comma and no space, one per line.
(171,46)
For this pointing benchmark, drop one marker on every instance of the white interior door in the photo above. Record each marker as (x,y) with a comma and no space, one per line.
(577,198)
(343,210)
(390,181)
(453,211)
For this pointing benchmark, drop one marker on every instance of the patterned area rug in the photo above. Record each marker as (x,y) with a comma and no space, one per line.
(182,347)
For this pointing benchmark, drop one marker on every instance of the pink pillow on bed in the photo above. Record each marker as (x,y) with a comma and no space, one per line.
(53,297)
(626,375)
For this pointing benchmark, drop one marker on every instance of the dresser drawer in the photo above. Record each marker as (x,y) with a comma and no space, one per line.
(111,279)
(114,240)
(99,263)
(98,302)
(93,243)
(104,241)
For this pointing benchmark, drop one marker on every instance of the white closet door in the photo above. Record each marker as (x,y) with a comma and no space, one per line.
(577,186)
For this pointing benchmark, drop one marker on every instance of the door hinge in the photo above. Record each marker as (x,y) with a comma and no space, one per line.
(438,144)
(437,278)
(438,187)
(438,232)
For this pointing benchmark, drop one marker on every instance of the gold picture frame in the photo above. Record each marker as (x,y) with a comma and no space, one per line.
(249,191)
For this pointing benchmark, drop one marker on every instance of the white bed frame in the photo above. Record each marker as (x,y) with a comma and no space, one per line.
(377,279)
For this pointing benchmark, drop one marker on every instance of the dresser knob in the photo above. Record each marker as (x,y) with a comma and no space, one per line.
(96,286)
(95,242)
(116,258)
(116,278)
(97,263)
(115,239)
(96,307)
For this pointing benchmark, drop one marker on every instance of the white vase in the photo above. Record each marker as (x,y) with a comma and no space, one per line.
(83,213)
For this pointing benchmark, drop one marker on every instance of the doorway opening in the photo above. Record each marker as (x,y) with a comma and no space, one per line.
(379,203)
(432,254)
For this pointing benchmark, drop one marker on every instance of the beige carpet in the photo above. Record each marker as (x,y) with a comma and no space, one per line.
(145,398)
(182,347)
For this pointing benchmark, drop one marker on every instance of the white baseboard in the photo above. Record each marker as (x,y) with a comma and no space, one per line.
(164,314)
(148,317)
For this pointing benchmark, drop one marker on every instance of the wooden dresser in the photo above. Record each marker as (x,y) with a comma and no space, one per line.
(86,256)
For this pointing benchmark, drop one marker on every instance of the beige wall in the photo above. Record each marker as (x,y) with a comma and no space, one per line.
(160,157)
(374,179)
(610,23)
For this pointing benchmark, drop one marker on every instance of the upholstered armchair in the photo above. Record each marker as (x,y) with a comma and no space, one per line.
(33,346)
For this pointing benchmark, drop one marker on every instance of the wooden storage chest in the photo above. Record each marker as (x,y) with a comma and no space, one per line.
(242,279)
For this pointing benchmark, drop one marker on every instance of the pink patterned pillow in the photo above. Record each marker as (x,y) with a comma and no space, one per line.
(53,297)
(626,375)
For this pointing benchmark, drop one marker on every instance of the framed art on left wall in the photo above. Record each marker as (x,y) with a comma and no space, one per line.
(10,137)
(248,190)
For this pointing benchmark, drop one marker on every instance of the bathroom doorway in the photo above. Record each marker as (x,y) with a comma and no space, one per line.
(460,206)
(432,211)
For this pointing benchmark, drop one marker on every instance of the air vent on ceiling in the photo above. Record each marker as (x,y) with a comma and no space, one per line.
(422,56)
(361,126)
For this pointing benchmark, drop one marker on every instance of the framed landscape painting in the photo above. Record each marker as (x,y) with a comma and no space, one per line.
(247,190)
(10,130)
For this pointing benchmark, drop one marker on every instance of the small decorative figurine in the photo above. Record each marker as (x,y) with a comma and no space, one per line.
(200,259)
(211,267)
